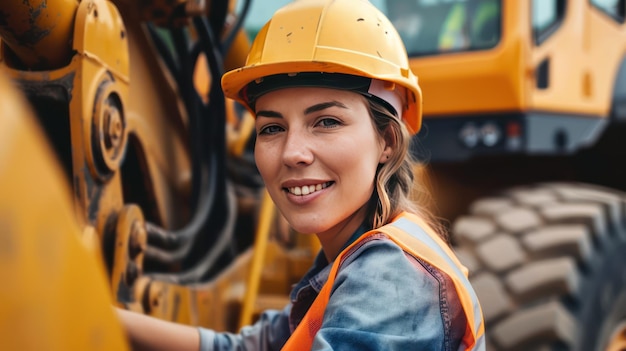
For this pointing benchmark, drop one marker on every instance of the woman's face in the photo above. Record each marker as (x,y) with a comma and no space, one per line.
(317,151)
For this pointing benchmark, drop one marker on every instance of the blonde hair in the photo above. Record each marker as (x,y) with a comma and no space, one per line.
(395,187)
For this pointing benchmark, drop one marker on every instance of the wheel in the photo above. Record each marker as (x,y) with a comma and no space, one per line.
(548,263)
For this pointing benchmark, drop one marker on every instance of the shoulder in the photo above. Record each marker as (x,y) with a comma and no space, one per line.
(378,258)
(380,290)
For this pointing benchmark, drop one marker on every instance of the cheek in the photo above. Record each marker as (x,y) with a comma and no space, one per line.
(356,162)
(263,161)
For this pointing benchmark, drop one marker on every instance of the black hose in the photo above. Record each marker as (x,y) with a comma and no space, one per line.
(232,34)
(203,187)
(164,52)
(175,246)
(217,16)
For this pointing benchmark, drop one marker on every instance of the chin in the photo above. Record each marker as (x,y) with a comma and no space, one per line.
(307,227)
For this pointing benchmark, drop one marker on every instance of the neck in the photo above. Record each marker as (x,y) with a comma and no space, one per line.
(334,239)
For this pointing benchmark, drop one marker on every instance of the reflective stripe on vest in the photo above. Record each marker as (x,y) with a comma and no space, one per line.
(408,233)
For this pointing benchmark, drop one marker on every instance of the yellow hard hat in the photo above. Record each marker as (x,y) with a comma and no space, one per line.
(344,44)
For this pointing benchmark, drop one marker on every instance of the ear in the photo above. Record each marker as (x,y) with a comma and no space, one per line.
(388,143)
(387,151)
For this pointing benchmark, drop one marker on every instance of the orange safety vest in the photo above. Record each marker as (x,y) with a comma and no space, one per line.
(407,231)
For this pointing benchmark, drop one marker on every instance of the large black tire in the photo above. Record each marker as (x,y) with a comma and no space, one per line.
(548,263)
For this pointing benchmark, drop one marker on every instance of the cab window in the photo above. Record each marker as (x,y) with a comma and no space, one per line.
(427,27)
(547,16)
(440,26)
(613,8)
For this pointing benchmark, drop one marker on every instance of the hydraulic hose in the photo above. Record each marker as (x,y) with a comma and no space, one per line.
(232,34)
(208,146)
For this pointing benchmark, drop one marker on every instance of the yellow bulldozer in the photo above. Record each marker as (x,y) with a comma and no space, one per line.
(126,177)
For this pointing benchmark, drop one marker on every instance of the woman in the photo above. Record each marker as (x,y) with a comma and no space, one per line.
(335,105)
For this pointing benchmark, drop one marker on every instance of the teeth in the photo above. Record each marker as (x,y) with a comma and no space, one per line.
(307,189)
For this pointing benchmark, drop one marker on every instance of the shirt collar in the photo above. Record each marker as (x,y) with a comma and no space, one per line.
(317,275)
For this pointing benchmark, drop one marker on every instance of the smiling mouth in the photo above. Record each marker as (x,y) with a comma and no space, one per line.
(307,189)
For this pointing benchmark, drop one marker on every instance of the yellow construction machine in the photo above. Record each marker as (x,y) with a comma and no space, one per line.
(127,178)
(524,135)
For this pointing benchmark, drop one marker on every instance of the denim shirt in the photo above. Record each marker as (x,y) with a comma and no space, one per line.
(382,299)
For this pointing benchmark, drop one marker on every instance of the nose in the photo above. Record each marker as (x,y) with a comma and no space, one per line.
(297,150)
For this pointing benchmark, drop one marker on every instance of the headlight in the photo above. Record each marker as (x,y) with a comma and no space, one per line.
(469,135)
(490,134)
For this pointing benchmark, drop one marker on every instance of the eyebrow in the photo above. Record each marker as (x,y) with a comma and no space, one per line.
(323,106)
(267,113)
(308,110)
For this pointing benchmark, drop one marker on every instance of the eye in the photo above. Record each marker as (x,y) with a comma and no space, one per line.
(270,129)
(328,122)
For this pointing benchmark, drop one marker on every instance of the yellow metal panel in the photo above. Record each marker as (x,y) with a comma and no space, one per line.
(584,53)
(480,81)
(100,35)
(54,294)
(39,31)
